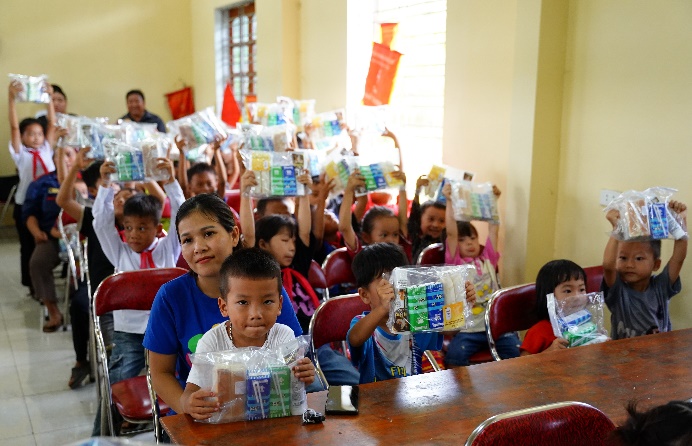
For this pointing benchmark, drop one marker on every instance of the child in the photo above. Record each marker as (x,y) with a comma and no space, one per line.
(375,350)
(140,250)
(202,178)
(666,425)
(39,214)
(251,300)
(187,307)
(290,242)
(33,156)
(462,247)
(379,224)
(425,223)
(564,278)
(638,301)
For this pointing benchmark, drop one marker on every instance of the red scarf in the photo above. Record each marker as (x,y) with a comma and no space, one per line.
(38,160)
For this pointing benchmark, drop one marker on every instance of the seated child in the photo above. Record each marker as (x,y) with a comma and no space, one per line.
(375,350)
(202,178)
(140,250)
(666,425)
(564,278)
(379,225)
(251,300)
(638,301)
(425,223)
(462,247)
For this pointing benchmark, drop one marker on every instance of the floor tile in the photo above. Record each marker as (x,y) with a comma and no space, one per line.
(18,441)
(62,410)
(35,381)
(14,418)
(64,436)
(9,382)
(56,347)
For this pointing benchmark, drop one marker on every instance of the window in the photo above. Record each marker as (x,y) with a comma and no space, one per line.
(237,51)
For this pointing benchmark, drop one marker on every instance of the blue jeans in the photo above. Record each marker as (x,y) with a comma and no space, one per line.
(126,361)
(337,369)
(465,345)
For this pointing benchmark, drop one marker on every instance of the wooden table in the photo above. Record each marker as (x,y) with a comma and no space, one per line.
(445,407)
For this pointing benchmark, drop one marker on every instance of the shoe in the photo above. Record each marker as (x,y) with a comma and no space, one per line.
(53,328)
(79,374)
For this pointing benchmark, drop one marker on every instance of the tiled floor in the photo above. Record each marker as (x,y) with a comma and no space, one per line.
(36,405)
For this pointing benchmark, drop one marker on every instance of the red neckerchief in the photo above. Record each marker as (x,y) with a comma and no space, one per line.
(37,159)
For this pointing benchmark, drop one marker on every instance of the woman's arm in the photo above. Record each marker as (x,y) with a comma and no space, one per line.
(162,369)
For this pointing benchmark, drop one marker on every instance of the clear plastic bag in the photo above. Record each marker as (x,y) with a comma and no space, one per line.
(276,172)
(35,88)
(255,383)
(646,215)
(474,201)
(128,160)
(73,127)
(439,176)
(429,298)
(303,110)
(578,319)
(338,167)
(325,129)
(199,128)
(134,132)
(152,149)
(278,138)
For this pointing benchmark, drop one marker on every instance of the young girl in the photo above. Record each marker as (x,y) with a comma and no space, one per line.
(33,156)
(187,307)
(425,223)
(379,223)
(564,278)
(289,242)
(462,247)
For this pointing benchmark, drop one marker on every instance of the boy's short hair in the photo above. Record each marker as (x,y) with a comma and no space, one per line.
(249,263)
(199,168)
(137,92)
(26,122)
(143,206)
(376,259)
(669,424)
(656,248)
(263,202)
(91,174)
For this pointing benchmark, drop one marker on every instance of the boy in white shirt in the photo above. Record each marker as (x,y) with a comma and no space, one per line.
(251,299)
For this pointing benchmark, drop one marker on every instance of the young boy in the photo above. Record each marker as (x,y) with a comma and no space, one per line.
(375,350)
(637,300)
(140,250)
(251,299)
(202,178)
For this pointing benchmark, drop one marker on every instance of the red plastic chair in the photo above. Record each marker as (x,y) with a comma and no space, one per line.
(331,322)
(233,199)
(130,290)
(337,268)
(565,424)
(594,277)
(510,309)
(433,254)
(317,279)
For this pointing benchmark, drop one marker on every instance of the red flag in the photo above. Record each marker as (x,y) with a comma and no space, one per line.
(230,112)
(181,103)
(380,81)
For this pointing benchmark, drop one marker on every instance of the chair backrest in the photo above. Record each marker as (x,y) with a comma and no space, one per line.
(337,268)
(332,319)
(433,254)
(316,277)
(594,277)
(510,309)
(568,423)
(233,199)
(132,290)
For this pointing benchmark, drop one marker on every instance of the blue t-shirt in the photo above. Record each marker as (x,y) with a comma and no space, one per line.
(386,356)
(182,313)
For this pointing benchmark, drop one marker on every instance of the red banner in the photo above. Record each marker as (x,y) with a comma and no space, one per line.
(380,81)
(230,112)
(181,102)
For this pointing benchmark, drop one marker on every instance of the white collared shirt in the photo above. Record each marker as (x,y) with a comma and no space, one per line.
(24,161)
